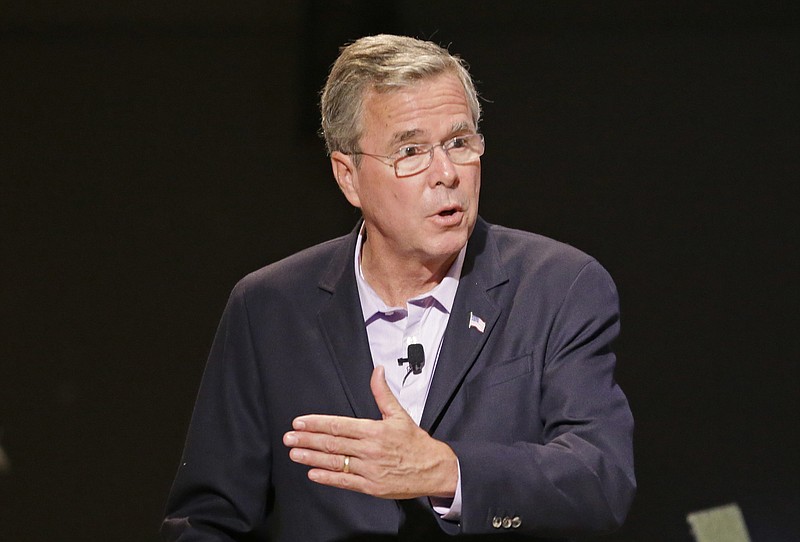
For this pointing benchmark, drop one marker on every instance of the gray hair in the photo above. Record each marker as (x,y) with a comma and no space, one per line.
(382,63)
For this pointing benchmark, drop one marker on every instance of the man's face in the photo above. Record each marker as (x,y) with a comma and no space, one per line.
(426,217)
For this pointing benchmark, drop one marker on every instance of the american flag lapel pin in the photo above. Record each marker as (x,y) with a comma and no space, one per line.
(476,322)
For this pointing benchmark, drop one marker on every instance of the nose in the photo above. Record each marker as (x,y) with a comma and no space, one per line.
(442,170)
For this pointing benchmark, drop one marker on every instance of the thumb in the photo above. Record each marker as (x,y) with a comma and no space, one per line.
(384,398)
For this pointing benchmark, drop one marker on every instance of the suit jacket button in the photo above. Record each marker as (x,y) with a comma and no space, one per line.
(497,522)
(506,522)
(516,521)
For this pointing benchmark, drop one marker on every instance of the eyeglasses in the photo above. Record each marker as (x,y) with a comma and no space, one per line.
(412,159)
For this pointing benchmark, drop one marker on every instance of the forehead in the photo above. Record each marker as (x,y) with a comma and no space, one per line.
(430,108)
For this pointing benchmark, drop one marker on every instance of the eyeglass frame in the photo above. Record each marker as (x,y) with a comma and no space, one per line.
(427,147)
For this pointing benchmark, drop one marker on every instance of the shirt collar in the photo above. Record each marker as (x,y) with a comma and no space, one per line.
(443,294)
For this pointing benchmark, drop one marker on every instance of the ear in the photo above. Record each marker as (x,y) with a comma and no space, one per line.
(346,176)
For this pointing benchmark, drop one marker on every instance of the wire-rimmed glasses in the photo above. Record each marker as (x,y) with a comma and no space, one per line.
(409,160)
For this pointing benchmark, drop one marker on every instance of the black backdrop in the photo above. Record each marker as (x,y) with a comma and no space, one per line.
(151,155)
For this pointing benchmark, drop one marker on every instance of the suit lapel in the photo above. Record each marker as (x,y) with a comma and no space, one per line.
(462,342)
(342,325)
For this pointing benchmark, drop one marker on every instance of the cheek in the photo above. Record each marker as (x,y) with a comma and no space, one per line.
(387,204)
(473,183)
(406,195)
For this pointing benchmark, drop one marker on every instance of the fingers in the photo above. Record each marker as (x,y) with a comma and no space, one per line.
(340,463)
(351,482)
(340,471)
(337,426)
(324,443)
(363,455)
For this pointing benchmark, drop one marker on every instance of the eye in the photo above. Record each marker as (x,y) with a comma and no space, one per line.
(410,150)
(460,142)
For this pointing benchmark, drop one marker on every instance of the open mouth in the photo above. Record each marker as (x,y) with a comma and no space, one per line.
(447,212)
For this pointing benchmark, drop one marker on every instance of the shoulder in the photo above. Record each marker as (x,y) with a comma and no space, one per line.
(550,273)
(518,249)
(536,264)
(301,270)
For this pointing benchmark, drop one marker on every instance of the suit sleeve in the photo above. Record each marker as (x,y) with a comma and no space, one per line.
(221,487)
(579,479)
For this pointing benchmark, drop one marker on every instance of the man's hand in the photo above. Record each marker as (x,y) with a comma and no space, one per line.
(391,458)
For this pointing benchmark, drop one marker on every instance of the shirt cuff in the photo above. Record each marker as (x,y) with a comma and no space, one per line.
(449,509)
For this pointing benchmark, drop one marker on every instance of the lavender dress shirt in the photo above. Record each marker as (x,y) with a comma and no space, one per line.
(391,329)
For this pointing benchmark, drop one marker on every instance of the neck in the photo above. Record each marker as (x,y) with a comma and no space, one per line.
(396,280)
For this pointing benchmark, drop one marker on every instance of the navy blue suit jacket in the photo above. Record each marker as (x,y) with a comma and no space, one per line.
(529,405)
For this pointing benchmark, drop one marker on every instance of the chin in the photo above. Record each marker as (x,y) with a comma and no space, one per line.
(450,244)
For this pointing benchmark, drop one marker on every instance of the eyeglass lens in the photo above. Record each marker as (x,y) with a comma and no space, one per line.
(459,150)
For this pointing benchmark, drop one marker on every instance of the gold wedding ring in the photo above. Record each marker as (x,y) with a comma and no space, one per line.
(346,468)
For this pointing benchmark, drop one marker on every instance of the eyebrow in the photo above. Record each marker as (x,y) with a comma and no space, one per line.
(407,135)
(402,137)
(462,126)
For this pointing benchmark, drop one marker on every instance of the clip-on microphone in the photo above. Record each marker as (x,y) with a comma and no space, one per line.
(415,359)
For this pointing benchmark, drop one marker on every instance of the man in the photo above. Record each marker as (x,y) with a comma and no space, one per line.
(427,375)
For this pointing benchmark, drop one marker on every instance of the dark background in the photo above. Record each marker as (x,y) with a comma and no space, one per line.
(152,154)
